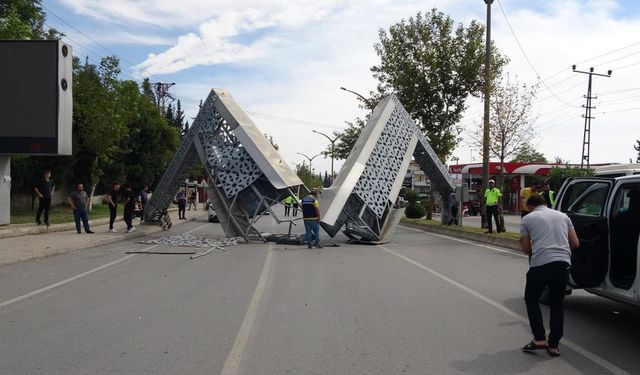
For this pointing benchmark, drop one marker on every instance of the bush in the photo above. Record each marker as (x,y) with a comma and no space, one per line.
(411,196)
(415,211)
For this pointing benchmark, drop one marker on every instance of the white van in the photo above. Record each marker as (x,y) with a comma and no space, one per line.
(617,170)
(606,215)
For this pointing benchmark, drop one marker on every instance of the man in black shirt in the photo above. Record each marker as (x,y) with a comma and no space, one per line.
(113,204)
(129,202)
(43,189)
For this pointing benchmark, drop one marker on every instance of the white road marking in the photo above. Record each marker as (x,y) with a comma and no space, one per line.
(575,347)
(66,281)
(76,277)
(512,252)
(232,363)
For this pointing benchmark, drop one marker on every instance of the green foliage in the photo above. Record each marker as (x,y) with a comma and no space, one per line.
(558,175)
(411,196)
(309,179)
(347,140)
(24,19)
(415,210)
(527,154)
(433,66)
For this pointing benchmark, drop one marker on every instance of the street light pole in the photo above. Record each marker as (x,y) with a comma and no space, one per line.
(333,144)
(365,100)
(485,129)
(310,160)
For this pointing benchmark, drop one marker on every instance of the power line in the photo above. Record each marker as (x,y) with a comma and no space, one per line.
(90,38)
(292,121)
(527,58)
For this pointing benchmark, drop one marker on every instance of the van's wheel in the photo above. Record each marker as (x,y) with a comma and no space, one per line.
(544,298)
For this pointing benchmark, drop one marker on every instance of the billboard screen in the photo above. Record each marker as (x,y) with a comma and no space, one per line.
(35,92)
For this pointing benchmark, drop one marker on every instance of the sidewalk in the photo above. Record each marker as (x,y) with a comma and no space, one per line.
(23,242)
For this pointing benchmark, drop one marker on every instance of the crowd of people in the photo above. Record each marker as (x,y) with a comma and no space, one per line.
(79,202)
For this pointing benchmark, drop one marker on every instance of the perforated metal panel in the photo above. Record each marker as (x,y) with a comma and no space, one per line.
(383,166)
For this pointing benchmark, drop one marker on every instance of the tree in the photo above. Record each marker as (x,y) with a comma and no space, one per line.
(347,139)
(637,148)
(558,175)
(511,125)
(433,66)
(24,19)
(527,154)
(309,179)
(559,160)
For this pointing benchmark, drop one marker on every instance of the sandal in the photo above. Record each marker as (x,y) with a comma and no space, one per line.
(554,352)
(533,346)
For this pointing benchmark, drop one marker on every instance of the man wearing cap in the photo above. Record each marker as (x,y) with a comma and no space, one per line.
(492,198)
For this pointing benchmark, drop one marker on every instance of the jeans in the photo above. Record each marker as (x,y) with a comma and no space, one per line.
(312,232)
(553,275)
(112,215)
(492,211)
(181,208)
(43,205)
(128,217)
(79,215)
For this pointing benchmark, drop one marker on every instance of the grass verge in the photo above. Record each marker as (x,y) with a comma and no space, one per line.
(435,223)
(60,214)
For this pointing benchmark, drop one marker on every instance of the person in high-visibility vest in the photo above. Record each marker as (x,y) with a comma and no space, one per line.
(311,215)
(548,194)
(288,201)
(492,198)
(525,194)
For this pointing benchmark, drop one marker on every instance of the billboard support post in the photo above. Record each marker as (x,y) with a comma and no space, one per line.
(5,189)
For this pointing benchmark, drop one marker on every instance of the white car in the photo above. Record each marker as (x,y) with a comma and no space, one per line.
(606,215)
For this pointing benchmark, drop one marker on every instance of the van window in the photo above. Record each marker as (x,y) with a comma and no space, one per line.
(586,198)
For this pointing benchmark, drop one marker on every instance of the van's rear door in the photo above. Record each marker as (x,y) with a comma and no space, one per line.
(585,201)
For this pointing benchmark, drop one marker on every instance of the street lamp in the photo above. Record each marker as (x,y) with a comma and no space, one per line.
(310,159)
(365,100)
(333,145)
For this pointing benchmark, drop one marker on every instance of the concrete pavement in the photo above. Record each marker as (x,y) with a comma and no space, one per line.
(28,242)
(422,304)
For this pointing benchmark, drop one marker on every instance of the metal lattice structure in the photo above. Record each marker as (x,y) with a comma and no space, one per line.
(363,195)
(246,173)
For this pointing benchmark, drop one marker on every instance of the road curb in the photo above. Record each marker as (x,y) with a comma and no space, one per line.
(29,229)
(508,243)
(45,253)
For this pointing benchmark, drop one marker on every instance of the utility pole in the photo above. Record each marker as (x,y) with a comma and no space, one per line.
(161,90)
(333,144)
(485,129)
(586,137)
(366,101)
(310,160)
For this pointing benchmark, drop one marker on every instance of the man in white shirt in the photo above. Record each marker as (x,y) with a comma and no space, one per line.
(548,237)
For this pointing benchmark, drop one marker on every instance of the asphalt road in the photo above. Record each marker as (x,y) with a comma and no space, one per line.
(421,304)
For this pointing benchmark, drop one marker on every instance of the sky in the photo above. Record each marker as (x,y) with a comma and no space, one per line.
(284,61)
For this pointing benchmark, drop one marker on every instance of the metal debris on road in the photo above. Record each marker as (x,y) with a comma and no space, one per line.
(188,240)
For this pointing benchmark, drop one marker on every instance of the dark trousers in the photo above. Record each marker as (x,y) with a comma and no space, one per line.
(43,206)
(312,232)
(128,217)
(81,215)
(553,275)
(182,205)
(295,210)
(112,215)
(453,210)
(287,209)
(492,211)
